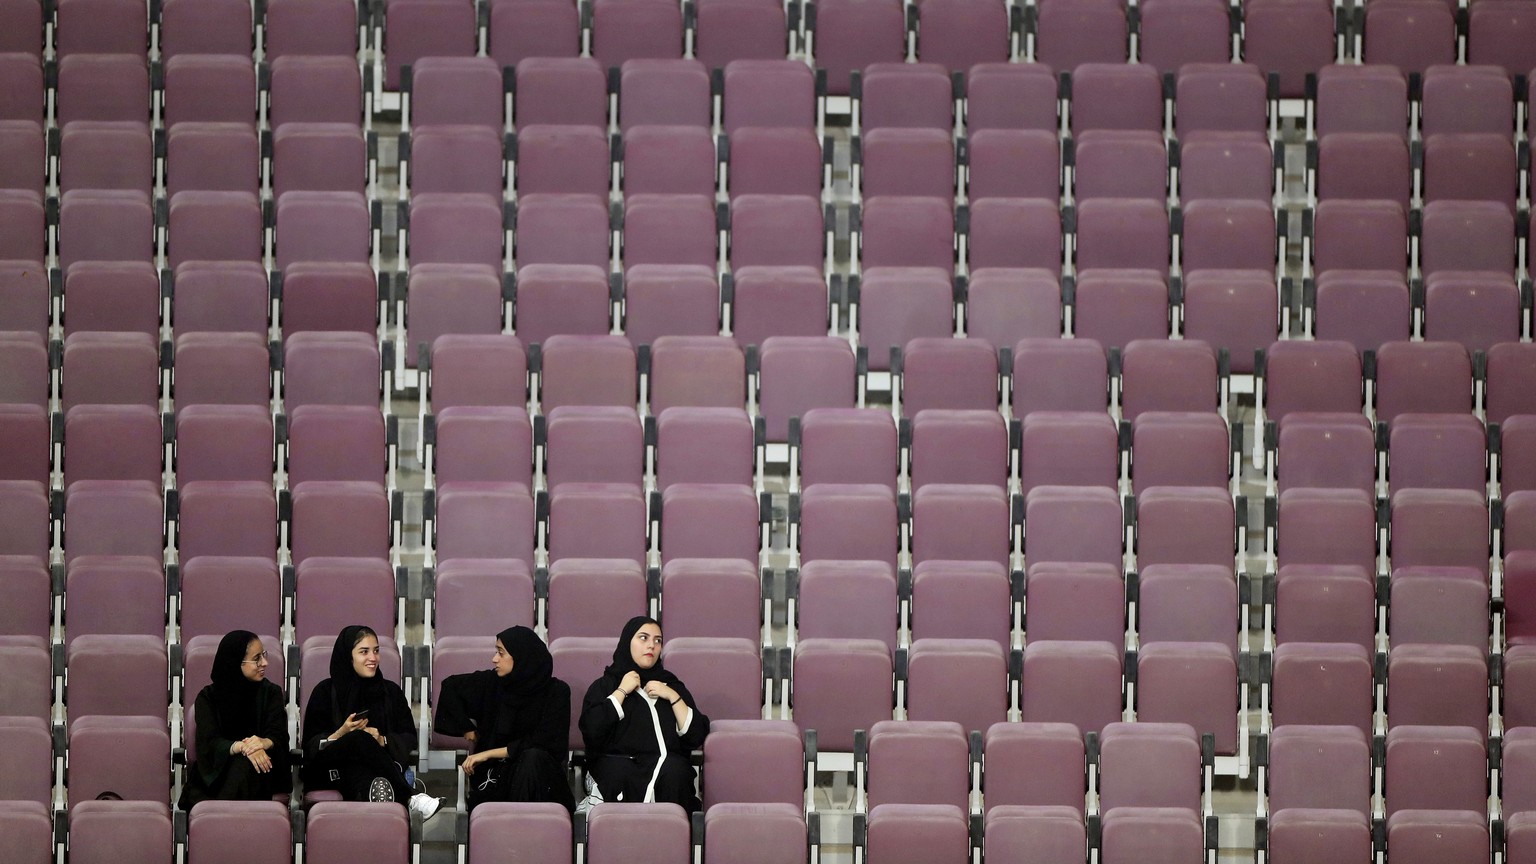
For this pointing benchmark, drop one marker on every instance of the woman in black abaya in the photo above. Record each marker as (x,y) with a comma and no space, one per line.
(518,716)
(358,731)
(242,728)
(640,723)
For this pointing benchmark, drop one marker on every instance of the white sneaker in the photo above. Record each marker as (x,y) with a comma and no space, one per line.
(425,804)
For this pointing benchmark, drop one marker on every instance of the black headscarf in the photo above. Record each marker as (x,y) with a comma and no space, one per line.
(353,692)
(532,665)
(234,695)
(624,662)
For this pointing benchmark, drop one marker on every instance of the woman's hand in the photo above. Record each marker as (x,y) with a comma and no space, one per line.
(630,682)
(259,759)
(350,725)
(377,736)
(658,690)
(470,736)
(471,761)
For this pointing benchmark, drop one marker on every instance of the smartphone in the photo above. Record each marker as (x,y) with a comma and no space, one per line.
(360,715)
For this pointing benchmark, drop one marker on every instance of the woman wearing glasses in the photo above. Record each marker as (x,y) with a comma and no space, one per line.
(242,728)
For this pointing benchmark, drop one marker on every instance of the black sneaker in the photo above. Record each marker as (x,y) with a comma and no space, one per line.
(381,790)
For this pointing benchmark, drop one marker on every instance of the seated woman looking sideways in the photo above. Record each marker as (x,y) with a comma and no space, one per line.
(358,730)
(640,723)
(242,729)
(518,716)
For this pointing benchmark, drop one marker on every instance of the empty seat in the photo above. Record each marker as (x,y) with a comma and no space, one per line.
(696,371)
(958,34)
(839,686)
(560,90)
(530,30)
(471,595)
(704,520)
(105,225)
(1367,308)
(1007,304)
(1364,165)
(1075,602)
(1122,233)
(455,228)
(315,89)
(1071,682)
(331,590)
(1226,165)
(1325,603)
(851,36)
(1073,524)
(485,520)
(673,92)
(899,304)
(120,676)
(1324,683)
(339,518)
(800,374)
(539,832)
(848,445)
(311,28)
(848,522)
(450,298)
(1120,163)
(127,831)
(1068,448)
(961,523)
(114,517)
(846,600)
(670,300)
(425,28)
(944,373)
(1410,35)
(322,226)
(113,296)
(25,506)
(1116,306)
(958,446)
(1431,768)
(905,231)
(1074,33)
(103,86)
(675,160)
(322,157)
(1467,235)
(613,832)
(211,88)
(918,762)
(768,93)
(626,31)
(208,581)
(1152,835)
(339,830)
(774,160)
(597,520)
(478,370)
(259,829)
(1010,96)
(562,229)
(1312,376)
(1326,526)
(1179,448)
(456,91)
(590,596)
(1437,685)
(776,231)
(1470,166)
(1478,310)
(1054,753)
(712,597)
(1014,163)
(742,832)
(1319,768)
(1219,97)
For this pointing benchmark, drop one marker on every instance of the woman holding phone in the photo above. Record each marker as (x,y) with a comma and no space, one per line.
(358,731)
(640,723)
(242,728)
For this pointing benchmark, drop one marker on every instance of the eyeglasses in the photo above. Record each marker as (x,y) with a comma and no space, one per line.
(257,659)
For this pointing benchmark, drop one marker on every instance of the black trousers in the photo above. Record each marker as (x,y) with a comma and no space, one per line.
(531,776)
(351,763)
(628,776)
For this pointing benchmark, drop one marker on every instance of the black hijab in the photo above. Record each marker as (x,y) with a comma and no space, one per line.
(351,691)
(234,695)
(624,662)
(532,665)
